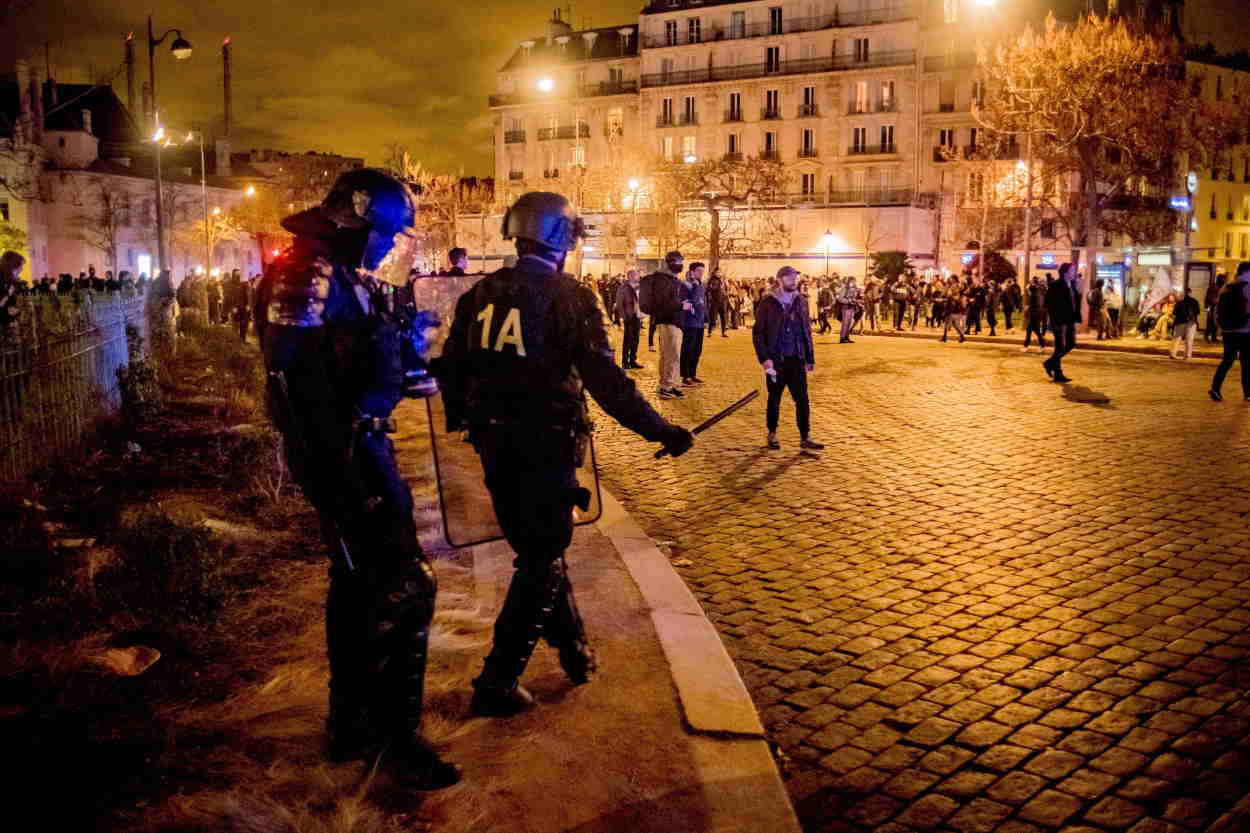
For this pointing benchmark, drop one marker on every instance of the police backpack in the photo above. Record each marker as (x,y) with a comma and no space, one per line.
(646,294)
(1230,309)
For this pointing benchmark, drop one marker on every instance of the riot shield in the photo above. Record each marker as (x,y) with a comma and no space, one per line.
(464,501)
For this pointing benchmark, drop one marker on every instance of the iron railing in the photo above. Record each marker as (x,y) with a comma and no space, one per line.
(582,91)
(512,137)
(871,150)
(899,57)
(766,28)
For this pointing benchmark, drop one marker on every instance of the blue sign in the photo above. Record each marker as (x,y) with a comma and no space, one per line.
(966,258)
(1048,259)
(1179,203)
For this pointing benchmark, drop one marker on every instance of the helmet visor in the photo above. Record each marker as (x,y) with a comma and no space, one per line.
(390,257)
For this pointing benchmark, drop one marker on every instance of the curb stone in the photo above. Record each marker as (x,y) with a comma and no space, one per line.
(740,777)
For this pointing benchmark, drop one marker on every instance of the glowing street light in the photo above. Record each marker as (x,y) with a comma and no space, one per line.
(250,192)
(546,85)
(181,49)
(216,210)
(633,183)
(691,159)
(827,239)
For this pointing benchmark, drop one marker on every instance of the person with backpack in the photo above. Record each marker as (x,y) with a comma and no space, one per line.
(1185,325)
(659,297)
(1211,333)
(1233,312)
(899,294)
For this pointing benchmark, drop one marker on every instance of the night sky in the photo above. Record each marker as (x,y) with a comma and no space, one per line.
(351,77)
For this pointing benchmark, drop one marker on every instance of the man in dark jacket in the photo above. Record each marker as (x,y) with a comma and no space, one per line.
(1185,317)
(1035,315)
(627,311)
(717,303)
(526,341)
(666,312)
(1011,302)
(1063,308)
(783,345)
(693,320)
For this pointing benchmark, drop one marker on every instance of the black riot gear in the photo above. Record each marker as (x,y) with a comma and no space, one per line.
(374,203)
(546,219)
(333,345)
(525,344)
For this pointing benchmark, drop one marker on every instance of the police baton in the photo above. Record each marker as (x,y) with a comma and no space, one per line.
(715,418)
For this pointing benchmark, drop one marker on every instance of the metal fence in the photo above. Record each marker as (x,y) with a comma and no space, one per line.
(58,372)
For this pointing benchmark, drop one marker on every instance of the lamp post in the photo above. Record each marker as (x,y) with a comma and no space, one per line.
(633,220)
(181,50)
(827,239)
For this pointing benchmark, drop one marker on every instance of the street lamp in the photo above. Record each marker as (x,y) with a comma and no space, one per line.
(633,221)
(827,239)
(546,85)
(691,159)
(181,50)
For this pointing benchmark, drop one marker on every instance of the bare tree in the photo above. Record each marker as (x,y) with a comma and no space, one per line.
(105,213)
(720,189)
(1112,110)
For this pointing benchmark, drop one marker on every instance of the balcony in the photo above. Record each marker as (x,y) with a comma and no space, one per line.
(546,133)
(663,120)
(516,176)
(808,153)
(873,196)
(614,131)
(762,29)
(769,115)
(732,157)
(945,153)
(946,107)
(771,155)
(513,137)
(900,57)
(942,63)
(568,131)
(807,111)
(687,119)
(871,150)
(584,91)
(552,173)
(733,115)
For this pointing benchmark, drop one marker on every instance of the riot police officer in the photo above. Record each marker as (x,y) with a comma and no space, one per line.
(524,343)
(333,346)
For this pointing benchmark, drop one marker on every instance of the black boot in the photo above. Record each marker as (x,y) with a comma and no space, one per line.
(578,661)
(491,699)
(415,764)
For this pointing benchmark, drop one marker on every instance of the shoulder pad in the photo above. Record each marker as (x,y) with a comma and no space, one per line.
(299,291)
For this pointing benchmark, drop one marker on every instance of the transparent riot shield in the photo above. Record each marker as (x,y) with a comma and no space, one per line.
(465,503)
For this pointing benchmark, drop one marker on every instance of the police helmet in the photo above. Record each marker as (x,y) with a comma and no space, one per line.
(368,198)
(545,218)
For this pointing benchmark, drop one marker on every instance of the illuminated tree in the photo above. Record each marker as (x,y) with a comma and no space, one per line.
(100,222)
(260,216)
(12,237)
(1113,114)
(723,201)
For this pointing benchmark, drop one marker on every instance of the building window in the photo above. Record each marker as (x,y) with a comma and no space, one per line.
(4,210)
(735,144)
(887,138)
(666,147)
(1219,87)
(946,137)
(527,50)
(616,76)
(772,59)
(809,102)
(1228,244)
(666,67)
(578,157)
(809,142)
(774,20)
(1245,241)
(770,141)
(946,96)
(689,116)
(861,50)
(950,11)
(738,25)
(861,97)
(972,138)
(1047,229)
(694,30)
(735,107)
(1214,211)
(666,111)
(976,185)
(978,93)
(688,147)
(772,104)
(670,33)
(859,139)
(808,184)
(887,96)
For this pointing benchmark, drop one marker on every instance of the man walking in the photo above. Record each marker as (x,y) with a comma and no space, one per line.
(1063,308)
(1012,298)
(1035,315)
(1114,303)
(1095,303)
(783,344)
(661,300)
(717,303)
(956,312)
(1212,332)
(1185,324)
(694,319)
(1233,308)
(849,300)
(627,310)
(824,306)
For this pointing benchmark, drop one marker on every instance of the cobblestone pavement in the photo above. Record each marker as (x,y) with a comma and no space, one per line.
(993,603)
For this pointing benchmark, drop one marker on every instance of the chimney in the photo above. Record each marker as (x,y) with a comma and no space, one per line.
(36,110)
(86,122)
(21,130)
(221,150)
(130,72)
(148,118)
(225,80)
(557,27)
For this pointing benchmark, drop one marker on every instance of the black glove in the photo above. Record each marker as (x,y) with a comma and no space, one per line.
(676,440)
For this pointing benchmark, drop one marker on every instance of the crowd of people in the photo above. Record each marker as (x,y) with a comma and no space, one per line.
(88,281)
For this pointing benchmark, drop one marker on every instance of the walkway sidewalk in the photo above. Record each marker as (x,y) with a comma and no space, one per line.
(1084,341)
(665,738)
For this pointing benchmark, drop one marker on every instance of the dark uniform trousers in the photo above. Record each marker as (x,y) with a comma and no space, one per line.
(530,473)
(629,346)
